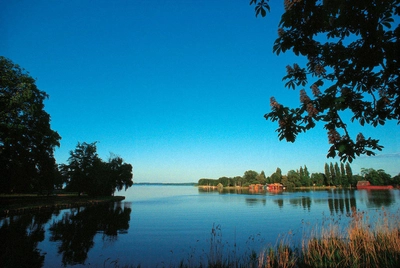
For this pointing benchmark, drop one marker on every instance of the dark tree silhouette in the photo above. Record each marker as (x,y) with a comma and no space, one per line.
(353,52)
(26,140)
(86,172)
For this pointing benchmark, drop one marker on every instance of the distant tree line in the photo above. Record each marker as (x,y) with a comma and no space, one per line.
(334,175)
(27,145)
(249,177)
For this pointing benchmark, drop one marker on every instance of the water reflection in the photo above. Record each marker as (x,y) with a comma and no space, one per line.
(342,202)
(74,234)
(255,201)
(304,202)
(76,230)
(172,219)
(339,201)
(279,202)
(19,236)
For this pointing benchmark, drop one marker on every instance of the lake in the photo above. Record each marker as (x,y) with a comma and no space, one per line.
(161,225)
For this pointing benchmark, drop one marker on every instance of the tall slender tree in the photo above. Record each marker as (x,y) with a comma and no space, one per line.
(328,176)
(345,181)
(349,173)
(261,178)
(333,174)
(276,177)
(338,175)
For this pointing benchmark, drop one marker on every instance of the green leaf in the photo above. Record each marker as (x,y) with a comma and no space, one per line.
(342,148)
(263,12)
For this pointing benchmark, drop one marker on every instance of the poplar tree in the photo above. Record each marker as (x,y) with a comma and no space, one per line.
(338,175)
(276,177)
(345,181)
(328,174)
(349,173)
(333,174)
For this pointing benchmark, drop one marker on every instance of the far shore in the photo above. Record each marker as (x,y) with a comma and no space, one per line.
(227,187)
(25,203)
(295,188)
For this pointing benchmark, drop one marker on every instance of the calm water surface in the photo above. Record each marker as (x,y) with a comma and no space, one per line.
(161,225)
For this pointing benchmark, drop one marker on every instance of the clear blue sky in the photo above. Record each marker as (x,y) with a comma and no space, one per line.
(177,88)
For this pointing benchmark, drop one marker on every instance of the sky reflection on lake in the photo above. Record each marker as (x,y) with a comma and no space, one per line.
(163,225)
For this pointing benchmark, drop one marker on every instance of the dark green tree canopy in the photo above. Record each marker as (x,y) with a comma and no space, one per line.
(87,172)
(353,52)
(27,142)
(376,177)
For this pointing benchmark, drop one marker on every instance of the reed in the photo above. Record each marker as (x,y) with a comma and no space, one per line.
(365,243)
(281,256)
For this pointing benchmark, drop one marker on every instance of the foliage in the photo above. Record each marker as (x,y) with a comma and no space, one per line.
(207,182)
(328,175)
(249,177)
(376,177)
(335,175)
(292,179)
(355,179)
(349,173)
(344,179)
(318,179)
(338,175)
(225,181)
(261,179)
(352,49)
(276,177)
(305,179)
(27,142)
(86,172)
(396,180)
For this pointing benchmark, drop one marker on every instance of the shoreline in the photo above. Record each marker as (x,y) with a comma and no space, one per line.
(227,187)
(295,188)
(20,204)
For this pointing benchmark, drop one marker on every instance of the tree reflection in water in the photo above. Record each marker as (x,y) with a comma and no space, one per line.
(378,198)
(342,202)
(76,230)
(19,236)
